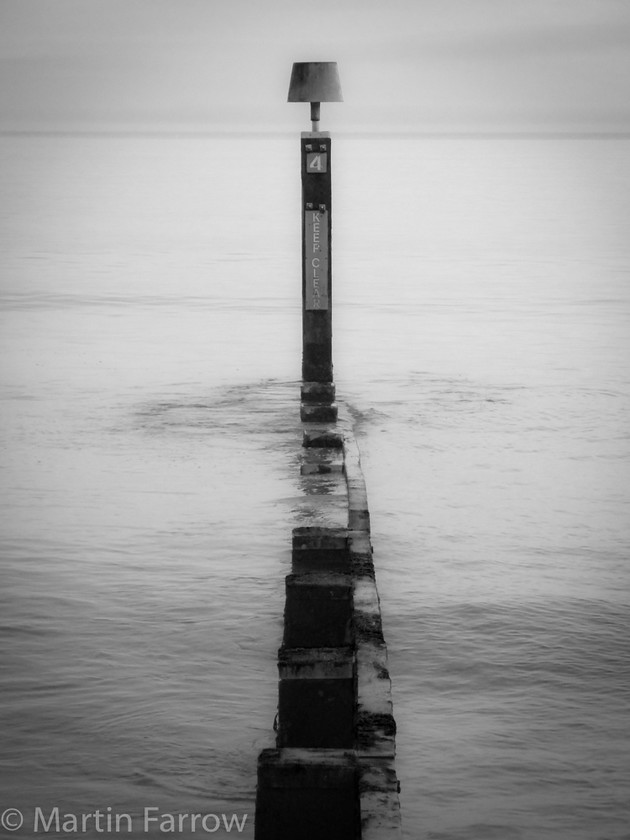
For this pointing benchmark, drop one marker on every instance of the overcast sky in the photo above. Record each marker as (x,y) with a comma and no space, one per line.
(222,64)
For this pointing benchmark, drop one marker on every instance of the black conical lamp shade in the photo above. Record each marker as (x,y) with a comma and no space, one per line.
(315,82)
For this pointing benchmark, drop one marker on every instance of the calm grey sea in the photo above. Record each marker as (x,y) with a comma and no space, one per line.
(150,358)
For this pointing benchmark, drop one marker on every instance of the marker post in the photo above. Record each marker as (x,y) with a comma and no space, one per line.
(316,82)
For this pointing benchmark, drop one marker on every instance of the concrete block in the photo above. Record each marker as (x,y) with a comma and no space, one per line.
(307,795)
(318,413)
(361,556)
(373,680)
(357,498)
(359,519)
(317,392)
(327,508)
(379,801)
(367,627)
(322,438)
(358,511)
(375,727)
(316,698)
(375,735)
(324,467)
(366,606)
(316,713)
(318,611)
(320,549)
(308,536)
(321,462)
(359,542)
(316,664)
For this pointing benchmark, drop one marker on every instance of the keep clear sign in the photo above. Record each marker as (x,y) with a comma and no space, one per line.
(316,257)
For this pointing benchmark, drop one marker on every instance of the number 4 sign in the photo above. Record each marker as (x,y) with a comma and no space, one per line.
(316,162)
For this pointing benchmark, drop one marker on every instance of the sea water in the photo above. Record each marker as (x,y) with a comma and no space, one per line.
(150,362)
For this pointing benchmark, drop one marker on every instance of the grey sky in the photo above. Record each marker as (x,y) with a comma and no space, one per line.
(426,64)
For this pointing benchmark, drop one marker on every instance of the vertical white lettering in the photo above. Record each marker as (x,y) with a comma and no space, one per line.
(316,259)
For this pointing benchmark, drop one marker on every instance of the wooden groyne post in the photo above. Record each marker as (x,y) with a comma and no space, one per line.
(332,772)
(316,82)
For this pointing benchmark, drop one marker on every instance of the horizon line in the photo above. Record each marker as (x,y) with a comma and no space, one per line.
(354,132)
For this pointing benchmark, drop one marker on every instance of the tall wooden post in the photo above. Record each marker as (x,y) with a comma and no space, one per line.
(318,390)
(316,82)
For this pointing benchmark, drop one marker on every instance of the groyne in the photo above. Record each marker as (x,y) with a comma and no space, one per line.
(332,772)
